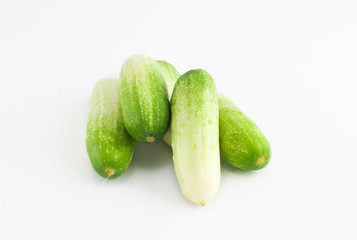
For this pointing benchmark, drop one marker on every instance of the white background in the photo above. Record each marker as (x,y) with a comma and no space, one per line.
(290,65)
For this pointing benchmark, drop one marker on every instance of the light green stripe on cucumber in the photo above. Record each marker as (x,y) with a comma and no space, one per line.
(109,146)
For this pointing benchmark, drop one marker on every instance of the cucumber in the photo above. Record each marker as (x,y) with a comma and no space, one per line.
(170,75)
(242,143)
(195,136)
(109,146)
(143,98)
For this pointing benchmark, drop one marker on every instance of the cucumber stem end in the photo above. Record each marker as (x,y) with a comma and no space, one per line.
(110,172)
(261,160)
(150,139)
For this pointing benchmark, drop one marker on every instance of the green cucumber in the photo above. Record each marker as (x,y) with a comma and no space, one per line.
(195,136)
(109,146)
(143,98)
(170,75)
(242,143)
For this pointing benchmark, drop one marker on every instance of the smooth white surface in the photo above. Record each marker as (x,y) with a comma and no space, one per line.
(290,65)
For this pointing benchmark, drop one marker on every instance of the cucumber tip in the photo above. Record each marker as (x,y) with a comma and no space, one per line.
(110,172)
(150,139)
(261,161)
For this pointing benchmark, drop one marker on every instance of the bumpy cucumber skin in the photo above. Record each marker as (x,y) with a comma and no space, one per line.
(195,136)
(242,143)
(170,75)
(143,98)
(236,153)
(109,146)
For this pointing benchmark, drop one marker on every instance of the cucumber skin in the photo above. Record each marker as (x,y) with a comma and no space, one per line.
(195,136)
(109,146)
(242,143)
(233,151)
(143,98)
(170,75)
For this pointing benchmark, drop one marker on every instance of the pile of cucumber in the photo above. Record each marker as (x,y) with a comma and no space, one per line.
(151,101)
